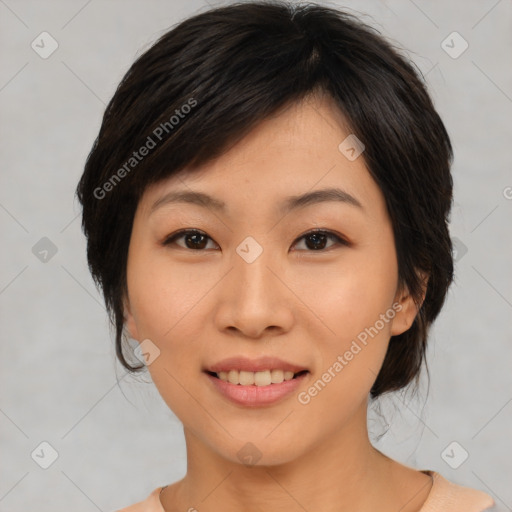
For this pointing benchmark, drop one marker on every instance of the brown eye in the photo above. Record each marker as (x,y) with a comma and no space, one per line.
(316,240)
(196,240)
(193,239)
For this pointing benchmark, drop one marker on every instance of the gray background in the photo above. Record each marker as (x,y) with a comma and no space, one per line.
(115,438)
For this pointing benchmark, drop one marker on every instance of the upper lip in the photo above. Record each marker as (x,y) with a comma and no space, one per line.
(254,365)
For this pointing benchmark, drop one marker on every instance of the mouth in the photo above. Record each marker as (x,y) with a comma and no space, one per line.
(260,388)
(255,382)
(260,378)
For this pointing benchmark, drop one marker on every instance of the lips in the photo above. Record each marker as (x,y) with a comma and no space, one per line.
(260,364)
(259,394)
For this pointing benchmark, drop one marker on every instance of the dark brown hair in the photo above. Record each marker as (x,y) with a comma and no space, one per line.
(206,83)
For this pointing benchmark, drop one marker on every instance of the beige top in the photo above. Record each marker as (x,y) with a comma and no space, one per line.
(444,496)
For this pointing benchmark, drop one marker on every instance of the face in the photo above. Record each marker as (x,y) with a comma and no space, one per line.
(252,280)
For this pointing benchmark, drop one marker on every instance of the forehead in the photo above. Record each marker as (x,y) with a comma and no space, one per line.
(298,150)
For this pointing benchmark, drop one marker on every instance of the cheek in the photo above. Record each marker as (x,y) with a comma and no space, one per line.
(355,306)
(161,296)
(164,301)
(349,295)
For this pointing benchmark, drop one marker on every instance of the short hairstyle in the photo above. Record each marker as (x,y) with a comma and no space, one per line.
(208,81)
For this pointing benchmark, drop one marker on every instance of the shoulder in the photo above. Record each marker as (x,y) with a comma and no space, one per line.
(446,496)
(150,504)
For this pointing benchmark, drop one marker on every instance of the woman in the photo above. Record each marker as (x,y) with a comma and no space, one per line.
(266,210)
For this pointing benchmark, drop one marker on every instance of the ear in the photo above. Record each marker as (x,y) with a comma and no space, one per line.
(129,320)
(406,307)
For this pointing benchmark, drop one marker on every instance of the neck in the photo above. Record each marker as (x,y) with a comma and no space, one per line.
(341,473)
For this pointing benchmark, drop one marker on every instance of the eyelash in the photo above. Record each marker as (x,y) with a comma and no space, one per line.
(330,234)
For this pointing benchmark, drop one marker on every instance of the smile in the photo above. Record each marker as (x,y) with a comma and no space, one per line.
(256,395)
(261,378)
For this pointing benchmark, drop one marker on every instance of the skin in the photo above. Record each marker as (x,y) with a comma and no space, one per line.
(296,302)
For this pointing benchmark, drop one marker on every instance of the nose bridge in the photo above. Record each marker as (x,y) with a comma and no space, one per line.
(253,300)
(251,264)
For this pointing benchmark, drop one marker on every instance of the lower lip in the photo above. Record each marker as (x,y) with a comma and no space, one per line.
(255,396)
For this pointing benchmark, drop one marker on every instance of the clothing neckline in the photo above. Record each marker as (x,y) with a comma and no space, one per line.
(442,494)
(433,475)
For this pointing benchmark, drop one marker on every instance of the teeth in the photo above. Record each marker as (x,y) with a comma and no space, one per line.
(263,378)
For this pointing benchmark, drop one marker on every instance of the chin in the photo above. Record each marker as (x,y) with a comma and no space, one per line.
(260,453)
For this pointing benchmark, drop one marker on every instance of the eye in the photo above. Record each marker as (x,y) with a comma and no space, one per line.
(198,240)
(194,239)
(318,238)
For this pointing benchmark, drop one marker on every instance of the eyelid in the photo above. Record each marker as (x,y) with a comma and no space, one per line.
(338,237)
(326,231)
(186,231)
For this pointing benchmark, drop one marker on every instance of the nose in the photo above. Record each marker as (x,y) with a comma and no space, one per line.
(254,299)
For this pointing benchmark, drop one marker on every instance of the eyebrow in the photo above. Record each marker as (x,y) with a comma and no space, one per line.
(290,203)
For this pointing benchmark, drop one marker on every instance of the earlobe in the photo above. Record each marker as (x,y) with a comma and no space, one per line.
(406,313)
(406,308)
(129,321)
